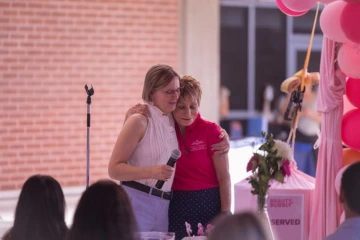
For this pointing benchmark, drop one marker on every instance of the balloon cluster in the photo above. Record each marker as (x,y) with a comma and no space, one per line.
(296,8)
(339,22)
(349,127)
(349,130)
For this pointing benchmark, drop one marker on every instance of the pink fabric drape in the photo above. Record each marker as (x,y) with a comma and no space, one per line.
(326,208)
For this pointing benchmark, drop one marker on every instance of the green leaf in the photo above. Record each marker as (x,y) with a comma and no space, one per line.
(263,167)
(279,176)
(264,178)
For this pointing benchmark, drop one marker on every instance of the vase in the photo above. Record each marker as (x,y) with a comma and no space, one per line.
(264,215)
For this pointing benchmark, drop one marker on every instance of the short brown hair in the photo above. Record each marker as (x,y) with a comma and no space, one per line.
(157,77)
(190,86)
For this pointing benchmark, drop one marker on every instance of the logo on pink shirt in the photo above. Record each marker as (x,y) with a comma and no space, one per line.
(197,146)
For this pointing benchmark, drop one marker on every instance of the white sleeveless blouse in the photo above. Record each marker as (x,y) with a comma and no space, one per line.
(157,144)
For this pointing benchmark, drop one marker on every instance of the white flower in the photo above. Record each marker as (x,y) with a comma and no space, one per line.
(284,150)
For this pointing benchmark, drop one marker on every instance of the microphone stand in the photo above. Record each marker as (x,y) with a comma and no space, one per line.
(89,92)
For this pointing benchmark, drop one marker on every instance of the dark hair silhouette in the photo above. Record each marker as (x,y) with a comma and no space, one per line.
(40,211)
(350,184)
(104,212)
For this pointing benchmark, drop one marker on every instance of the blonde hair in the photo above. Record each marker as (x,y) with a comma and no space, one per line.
(190,86)
(157,77)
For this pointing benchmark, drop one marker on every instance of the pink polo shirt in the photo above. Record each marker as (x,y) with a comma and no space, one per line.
(195,169)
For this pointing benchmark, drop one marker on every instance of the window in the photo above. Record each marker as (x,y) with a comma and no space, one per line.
(314,63)
(270,67)
(304,23)
(234,55)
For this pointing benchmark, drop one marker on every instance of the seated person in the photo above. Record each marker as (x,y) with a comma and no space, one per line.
(350,198)
(40,211)
(240,226)
(104,213)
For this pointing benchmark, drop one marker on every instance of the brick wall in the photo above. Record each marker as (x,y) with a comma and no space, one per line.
(48,51)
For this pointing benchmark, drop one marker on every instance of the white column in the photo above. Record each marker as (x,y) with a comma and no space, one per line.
(199,51)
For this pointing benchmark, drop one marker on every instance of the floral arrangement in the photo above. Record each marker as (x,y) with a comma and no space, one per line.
(272,162)
(201,230)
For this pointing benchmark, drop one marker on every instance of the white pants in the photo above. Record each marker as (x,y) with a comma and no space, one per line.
(151,212)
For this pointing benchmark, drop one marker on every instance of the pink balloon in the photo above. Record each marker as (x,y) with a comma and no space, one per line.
(349,59)
(338,179)
(330,21)
(350,130)
(326,1)
(350,19)
(288,11)
(352,91)
(299,5)
(347,105)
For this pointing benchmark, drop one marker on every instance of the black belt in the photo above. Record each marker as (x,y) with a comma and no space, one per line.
(147,189)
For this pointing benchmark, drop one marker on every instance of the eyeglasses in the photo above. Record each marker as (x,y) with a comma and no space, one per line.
(172,92)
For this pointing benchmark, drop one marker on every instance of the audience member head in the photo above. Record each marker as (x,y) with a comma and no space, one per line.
(40,211)
(242,226)
(104,212)
(349,193)
(161,87)
(187,107)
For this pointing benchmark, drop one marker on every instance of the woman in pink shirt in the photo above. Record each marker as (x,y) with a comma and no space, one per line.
(201,187)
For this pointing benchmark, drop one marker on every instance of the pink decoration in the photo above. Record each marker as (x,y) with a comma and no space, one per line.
(299,6)
(350,19)
(352,91)
(201,231)
(252,164)
(288,11)
(350,130)
(285,168)
(330,21)
(347,105)
(349,59)
(326,207)
(188,228)
(209,228)
(326,1)
(338,179)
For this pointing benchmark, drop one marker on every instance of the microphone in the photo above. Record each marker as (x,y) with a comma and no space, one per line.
(175,155)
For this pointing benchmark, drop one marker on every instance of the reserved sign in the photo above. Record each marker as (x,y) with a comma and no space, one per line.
(286,213)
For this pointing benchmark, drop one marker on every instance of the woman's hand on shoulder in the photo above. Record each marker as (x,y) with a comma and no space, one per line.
(223,146)
(138,109)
